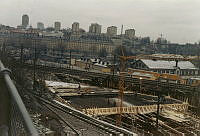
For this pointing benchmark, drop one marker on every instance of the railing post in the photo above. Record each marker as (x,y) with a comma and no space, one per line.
(5,107)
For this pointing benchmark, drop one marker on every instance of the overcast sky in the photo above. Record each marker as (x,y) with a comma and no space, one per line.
(177,20)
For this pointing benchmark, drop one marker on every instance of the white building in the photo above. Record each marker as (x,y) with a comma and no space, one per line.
(183,68)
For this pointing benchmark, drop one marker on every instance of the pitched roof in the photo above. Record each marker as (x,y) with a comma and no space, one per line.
(163,64)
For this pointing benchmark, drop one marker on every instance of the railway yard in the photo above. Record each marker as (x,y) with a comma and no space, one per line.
(72,104)
(69,101)
(138,76)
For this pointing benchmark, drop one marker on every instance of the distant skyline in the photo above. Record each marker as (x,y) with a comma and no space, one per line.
(177,20)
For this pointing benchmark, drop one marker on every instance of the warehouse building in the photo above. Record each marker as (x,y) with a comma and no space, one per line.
(183,68)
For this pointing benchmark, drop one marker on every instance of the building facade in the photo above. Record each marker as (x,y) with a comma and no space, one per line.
(93,64)
(95,28)
(112,31)
(58,45)
(25,21)
(130,33)
(57,26)
(184,68)
(75,27)
(40,26)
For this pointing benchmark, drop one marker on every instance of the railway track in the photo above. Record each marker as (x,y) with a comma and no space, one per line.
(80,121)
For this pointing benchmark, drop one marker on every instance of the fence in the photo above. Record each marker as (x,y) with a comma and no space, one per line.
(14,118)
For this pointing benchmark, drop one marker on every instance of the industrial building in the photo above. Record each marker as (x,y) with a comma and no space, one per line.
(183,68)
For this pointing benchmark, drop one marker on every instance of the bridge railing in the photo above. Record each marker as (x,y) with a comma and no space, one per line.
(14,118)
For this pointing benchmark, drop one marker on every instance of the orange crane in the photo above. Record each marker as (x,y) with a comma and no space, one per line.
(155,75)
(122,75)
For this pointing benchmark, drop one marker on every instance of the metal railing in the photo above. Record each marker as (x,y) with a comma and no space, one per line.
(14,118)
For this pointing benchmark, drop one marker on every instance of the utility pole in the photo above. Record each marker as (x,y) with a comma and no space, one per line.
(70,55)
(140,86)
(22,53)
(4,50)
(158,105)
(34,65)
(158,109)
(161,99)
(114,62)
(61,51)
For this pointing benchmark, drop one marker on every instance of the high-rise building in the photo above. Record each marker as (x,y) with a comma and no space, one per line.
(130,33)
(25,21)
(40,25)
(75,27)
(95,28)
(112,31)
(57,26)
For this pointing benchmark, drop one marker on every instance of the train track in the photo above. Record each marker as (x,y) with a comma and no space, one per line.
(80,121)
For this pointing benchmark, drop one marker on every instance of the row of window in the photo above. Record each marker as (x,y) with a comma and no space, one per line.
(187,72)
(86,47)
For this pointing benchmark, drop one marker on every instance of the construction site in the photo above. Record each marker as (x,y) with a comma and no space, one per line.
(68,101)
(142,95)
